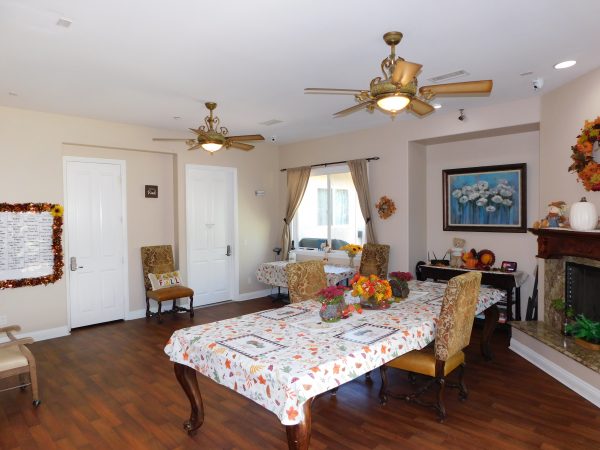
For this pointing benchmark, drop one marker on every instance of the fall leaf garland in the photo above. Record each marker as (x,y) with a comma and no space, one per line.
(587,169)
(385,207)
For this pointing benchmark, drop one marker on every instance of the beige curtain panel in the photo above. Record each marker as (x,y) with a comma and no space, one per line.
(358,170)
(297,180)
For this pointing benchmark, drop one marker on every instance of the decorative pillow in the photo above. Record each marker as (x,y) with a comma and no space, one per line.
(164,280)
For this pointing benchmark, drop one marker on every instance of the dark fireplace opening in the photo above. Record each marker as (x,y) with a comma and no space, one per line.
(582,289)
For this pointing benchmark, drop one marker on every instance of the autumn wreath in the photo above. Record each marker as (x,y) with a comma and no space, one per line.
(588,170)
(385,207)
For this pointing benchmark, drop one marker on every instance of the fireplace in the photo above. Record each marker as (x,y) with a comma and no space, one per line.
(582,289)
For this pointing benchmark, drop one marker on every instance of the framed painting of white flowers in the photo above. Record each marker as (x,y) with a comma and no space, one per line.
(490,198)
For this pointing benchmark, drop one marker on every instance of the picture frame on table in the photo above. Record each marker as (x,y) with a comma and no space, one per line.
(486,198)
(508,266)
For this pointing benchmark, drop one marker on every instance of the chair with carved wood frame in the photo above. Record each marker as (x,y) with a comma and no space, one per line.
(17,360)
(374,260)
(453,333)
(159,259)
(305,279)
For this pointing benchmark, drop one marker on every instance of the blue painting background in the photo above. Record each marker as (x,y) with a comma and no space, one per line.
(487,198)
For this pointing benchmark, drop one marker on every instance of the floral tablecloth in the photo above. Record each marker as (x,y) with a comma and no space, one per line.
(273,273)
(282,357)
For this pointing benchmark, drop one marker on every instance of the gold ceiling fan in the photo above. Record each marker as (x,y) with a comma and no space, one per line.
(397,90)
(211,140)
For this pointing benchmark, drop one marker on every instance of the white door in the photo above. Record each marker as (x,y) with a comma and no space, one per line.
(210,212)
(96,238)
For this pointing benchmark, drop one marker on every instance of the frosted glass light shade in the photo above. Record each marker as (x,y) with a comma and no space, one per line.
(393,103)
(211,146)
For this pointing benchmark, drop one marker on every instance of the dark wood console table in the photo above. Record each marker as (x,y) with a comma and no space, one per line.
(500,280)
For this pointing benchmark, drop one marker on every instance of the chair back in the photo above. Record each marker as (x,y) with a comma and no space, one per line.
(305,279)
(455,323)
(156,259)
(374,260)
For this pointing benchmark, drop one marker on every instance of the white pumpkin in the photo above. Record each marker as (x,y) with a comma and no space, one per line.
(583,216)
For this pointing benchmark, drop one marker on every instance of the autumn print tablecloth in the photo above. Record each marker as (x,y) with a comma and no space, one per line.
(273,273)
(282,357)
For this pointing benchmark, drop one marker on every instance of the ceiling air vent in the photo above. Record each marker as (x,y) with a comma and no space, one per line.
(449,76)
(271,122)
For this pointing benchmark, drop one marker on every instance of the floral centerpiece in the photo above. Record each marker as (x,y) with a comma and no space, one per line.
(373,291)
(332,303)
(351,250)
(399,283)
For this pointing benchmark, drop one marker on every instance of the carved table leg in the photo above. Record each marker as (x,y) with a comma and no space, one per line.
(491,319)
(299,435)
(187,379)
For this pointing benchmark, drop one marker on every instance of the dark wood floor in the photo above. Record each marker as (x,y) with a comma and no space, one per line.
(112,387)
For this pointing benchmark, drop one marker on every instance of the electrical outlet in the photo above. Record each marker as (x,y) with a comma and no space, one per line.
(3,320)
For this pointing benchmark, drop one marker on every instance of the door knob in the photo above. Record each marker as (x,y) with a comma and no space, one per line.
(74,265)
(228,250)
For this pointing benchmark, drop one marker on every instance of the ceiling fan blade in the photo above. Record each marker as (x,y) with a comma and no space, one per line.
(247,137)
(241,145)
(354,108)
(467,87)
(334,91)
(169,140)
(420,107)
(405,72)
(194,147)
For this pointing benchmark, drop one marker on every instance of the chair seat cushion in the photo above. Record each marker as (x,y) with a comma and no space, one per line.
(171,293)
(12,358)
(423,362)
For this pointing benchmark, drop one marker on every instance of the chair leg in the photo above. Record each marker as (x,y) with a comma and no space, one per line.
(147,307)
(191,306)
(384,384)
(441,407)
(34,385)
(159,312)
(463,392)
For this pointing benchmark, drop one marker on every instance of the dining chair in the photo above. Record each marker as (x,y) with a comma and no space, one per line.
(374,260)
(17,359)
(159,269)
(305,279)
(452,335)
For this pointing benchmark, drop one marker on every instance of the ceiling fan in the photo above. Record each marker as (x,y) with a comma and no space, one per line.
(212,140)
(397,90)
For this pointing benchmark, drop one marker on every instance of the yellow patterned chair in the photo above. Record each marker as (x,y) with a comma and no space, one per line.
(374,260)
(305,279)
(17,359)
(158,259)
(453,333)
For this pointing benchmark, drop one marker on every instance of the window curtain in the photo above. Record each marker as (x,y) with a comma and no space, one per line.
(358,170)
(297,180)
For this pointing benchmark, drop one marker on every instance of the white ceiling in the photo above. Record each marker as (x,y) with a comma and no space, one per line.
(146,61)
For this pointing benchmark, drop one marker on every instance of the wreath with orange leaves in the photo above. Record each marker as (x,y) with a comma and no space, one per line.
(588,170)
(385,207)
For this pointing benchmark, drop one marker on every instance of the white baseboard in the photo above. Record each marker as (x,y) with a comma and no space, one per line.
(252,295)
(570,380)
(41,335)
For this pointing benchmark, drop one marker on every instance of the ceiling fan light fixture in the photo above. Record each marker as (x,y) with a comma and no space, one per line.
(393,102)
(212,146)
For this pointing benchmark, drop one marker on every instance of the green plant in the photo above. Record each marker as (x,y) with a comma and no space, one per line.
(558,304)
(584,328)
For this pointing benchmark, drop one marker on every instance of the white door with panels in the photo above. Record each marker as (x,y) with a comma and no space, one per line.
(96,240)
(210,212)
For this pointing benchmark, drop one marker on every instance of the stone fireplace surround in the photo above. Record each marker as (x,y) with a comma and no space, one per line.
(541,342)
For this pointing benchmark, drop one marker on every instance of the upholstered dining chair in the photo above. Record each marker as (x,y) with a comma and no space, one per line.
(305,279)
(374,260)
(17,359)
(453,333)
(158,261)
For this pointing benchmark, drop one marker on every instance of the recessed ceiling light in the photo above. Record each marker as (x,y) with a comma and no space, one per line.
(64,22)
(565,64)
(436,105)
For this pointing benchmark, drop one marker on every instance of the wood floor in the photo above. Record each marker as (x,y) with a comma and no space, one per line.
(112,387)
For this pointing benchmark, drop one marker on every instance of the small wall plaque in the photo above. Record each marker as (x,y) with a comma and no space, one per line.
(151,191)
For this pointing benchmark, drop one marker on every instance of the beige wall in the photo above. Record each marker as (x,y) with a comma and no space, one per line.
(506,149)
(31,146)
(391,174)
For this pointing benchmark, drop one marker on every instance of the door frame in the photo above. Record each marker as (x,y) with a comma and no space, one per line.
(235,291)
(123,166)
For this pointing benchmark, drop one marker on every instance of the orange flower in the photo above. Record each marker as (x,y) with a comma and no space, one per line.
(292,413)
(262,379)
(228,364)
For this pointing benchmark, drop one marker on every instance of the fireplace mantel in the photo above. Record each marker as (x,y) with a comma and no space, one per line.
(557,243)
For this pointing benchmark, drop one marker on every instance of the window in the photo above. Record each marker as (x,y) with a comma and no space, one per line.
(329,211)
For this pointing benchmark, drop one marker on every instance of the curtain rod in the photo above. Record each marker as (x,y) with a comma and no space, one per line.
(372,158)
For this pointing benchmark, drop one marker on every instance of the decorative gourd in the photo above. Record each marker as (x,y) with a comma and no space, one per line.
(583,216)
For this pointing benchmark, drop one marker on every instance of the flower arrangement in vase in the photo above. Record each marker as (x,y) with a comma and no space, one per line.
(373,291)
(332,303)
(399,283)
(351,250)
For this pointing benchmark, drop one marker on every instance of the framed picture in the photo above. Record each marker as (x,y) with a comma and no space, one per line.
(489,198)
(508,266)
(151,191)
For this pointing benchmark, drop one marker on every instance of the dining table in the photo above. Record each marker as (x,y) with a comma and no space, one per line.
(283,358)
(273,273)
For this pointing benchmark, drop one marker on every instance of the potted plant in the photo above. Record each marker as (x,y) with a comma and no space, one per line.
(351,250)
(586,332)
(399,283)
(560,314)
(332,303)
(374,292)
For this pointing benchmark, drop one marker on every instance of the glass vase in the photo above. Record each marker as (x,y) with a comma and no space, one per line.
(371,303)
(331,312)
(351,258)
